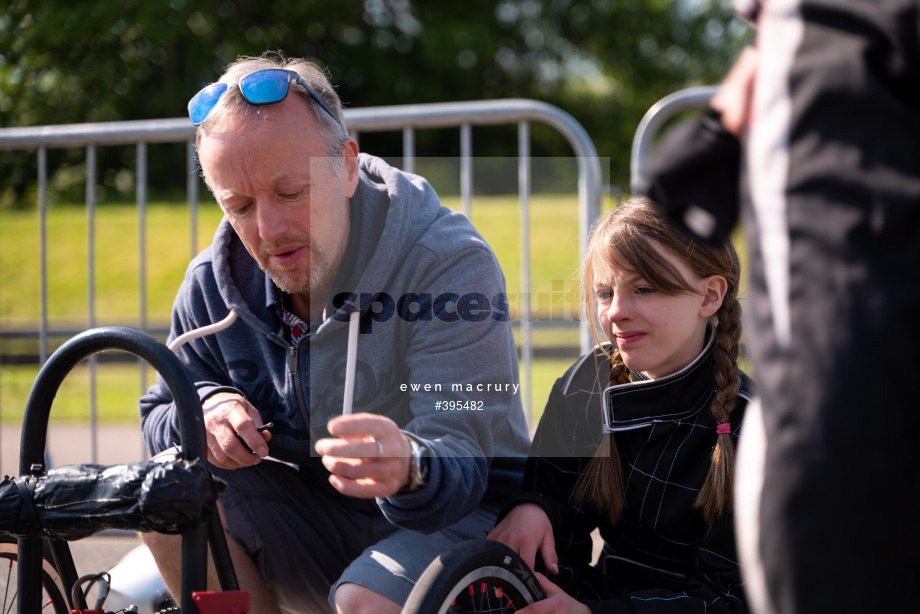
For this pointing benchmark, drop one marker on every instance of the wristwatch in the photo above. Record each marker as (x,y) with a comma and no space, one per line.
(419,464)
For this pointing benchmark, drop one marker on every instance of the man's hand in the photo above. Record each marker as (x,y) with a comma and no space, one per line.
(527,530)
(368,457)
(230,421)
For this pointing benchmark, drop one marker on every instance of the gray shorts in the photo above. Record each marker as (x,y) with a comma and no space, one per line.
(306,538)
(393,565)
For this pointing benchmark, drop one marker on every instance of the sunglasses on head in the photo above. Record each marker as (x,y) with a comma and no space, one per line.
(261,87)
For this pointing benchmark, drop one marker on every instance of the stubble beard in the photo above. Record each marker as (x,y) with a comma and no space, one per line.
(293,281)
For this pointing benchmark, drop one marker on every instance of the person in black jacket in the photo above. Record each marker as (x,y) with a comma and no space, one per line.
(827,106)
(637,438)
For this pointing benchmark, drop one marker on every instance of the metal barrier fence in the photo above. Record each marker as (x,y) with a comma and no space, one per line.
(405,118)
(655,118)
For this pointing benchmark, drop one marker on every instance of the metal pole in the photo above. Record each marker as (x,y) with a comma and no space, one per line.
(141,197)
(526,332)
(466,169)
(409,149)
(91,290)
(43,253)
(192,168)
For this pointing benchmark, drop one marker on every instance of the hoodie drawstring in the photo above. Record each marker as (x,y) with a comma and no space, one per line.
(350,358)
(204,330)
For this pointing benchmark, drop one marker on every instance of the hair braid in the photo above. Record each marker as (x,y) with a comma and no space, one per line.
(715,497)
(601,483)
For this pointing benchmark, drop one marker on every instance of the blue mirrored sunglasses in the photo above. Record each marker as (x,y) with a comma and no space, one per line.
(261,87)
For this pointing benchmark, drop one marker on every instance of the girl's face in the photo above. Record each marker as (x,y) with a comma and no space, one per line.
(656,333)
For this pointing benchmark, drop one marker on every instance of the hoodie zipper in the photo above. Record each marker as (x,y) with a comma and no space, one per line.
(298,387)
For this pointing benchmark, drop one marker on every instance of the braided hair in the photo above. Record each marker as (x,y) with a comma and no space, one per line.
(622,239)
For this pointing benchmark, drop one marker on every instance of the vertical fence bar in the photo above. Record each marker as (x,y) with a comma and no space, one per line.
(43,254)
(466,168)
(141,197)
(91,289)
(588,211)
(409,149)
(192,188)
(526,331)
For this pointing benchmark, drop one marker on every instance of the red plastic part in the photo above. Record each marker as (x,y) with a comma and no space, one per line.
(87,612)
(226,602)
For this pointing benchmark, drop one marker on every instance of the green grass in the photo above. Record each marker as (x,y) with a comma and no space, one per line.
(554,259)
(118,386)
(116,257)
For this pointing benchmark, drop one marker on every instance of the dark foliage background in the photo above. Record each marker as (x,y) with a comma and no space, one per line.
(603,61)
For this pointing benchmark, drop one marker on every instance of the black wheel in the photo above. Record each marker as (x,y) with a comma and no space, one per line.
(479,575)
(52,588)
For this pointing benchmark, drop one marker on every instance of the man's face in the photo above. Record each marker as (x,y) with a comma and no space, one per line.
(281,193)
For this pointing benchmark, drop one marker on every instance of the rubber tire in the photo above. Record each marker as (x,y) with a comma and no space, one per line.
(51,581)
(466,565)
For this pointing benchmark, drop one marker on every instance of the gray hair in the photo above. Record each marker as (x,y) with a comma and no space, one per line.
(332,129)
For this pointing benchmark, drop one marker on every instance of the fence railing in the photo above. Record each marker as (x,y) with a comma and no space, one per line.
(406,118)
(655,119)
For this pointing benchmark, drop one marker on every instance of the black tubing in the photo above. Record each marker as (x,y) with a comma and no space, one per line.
(35,433)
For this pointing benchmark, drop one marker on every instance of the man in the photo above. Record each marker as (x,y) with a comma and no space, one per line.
(314,233)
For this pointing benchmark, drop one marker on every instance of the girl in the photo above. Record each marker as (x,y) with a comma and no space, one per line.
(637,439)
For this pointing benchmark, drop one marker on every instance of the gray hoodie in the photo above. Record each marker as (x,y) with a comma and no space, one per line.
(435,351)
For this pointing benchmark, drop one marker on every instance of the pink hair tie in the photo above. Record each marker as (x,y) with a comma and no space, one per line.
(724,429)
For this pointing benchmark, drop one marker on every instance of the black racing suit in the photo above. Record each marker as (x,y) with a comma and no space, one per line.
(833,306)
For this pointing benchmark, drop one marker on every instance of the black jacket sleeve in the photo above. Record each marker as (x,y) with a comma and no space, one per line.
(565,441)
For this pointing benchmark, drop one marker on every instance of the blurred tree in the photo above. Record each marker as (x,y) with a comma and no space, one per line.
(603,61)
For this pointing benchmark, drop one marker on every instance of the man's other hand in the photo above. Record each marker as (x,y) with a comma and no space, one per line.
(231,423)
(367,456)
